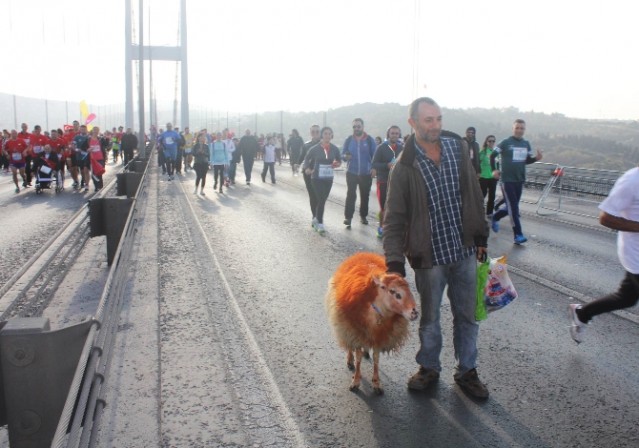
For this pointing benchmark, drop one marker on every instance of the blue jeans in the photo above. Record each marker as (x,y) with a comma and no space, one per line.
(512,193)
(461,278)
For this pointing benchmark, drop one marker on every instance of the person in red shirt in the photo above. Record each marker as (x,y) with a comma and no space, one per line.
(70,152)
(15,149)
(97,159)
(25,135)
(37,142)
(58,145)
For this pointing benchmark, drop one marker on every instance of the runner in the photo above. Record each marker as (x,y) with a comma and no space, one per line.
(15,149)
(25,135)
(96,159)
(83,163)
(58,145)
(169,141)
(319,164)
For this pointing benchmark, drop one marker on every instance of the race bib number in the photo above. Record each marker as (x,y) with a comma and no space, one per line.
(325,172)
(37,149)
(45,169)
(520,154)
(16,156)
(168,140)
(188,150)
(95,149)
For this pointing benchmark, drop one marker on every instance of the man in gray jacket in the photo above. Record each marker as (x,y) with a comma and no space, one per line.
(435,218)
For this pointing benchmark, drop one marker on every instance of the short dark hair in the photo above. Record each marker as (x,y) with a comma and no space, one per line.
(414,106)
(519,121)
(393,127)
(360,120)
(326,128)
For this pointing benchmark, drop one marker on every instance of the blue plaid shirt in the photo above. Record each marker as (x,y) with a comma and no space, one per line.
(444,202)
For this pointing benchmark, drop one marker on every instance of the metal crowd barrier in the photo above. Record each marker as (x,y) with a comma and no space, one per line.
(51,381)
(566,189)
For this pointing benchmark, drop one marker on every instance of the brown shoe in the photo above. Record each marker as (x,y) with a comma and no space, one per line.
(423,378)
(471,383)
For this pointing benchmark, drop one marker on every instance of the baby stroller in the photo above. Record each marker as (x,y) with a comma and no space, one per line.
(47,173)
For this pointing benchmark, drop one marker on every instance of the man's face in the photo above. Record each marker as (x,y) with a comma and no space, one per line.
(470,135)
(315,133)
(358,128)
(54,135)
(169,126)
(519,129)
(428,125)
(129,130)
(83,129)
(24,127)
(76,126)
(393,135)
(37,130)
(248,132)
(14,134)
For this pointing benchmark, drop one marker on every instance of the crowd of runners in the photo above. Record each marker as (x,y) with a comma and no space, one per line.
(499,167)
(42,159)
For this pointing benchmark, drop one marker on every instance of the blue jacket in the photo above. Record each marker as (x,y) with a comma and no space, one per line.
(218,154)
(362,152)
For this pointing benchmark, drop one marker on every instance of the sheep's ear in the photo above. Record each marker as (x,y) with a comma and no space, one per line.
(378,282)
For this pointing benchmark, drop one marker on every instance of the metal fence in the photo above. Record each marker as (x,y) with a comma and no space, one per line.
(567,189)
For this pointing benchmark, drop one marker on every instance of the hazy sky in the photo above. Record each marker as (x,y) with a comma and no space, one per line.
(574,57)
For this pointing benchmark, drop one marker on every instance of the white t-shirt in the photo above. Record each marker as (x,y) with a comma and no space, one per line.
(623,202)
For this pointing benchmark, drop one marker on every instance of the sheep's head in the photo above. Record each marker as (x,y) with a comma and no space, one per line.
(393,294)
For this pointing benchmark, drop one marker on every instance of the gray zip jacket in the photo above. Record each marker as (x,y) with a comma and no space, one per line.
(407,231)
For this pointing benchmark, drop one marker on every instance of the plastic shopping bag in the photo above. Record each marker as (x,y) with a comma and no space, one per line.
(499,290)
(482,279)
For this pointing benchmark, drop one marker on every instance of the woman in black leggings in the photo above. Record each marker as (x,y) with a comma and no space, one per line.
(319,163)
(201,162)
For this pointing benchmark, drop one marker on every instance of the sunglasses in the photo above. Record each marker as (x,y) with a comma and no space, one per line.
(491,141)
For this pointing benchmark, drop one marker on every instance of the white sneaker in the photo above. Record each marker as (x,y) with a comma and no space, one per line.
(320,229)
(577,327)
(314,223)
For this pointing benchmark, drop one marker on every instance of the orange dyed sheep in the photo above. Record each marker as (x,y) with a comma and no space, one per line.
(369,309)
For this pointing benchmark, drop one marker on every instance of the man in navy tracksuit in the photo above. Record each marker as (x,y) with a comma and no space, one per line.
(358,151)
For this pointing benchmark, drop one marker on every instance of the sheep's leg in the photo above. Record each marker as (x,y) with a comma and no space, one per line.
(350,360)
(357,376)
(377,387)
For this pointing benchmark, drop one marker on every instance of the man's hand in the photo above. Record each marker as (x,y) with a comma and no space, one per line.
(540,155)
(482,254)
(396,267)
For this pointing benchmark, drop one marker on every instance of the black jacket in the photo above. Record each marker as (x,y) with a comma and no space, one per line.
(384,155)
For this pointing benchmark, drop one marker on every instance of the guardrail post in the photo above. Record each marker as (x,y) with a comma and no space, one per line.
(138,166)
(37,368)
(128,183)
(107,216)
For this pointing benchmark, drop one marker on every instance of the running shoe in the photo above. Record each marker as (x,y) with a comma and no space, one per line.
(494,224)
(17,189)
(314,222)
(577,327)
(347,223)
(520,239)
(195,191)
(380,231)
(320,229)
(364,220)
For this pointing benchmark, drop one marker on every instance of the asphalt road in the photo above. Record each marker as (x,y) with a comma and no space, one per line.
(225,341)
